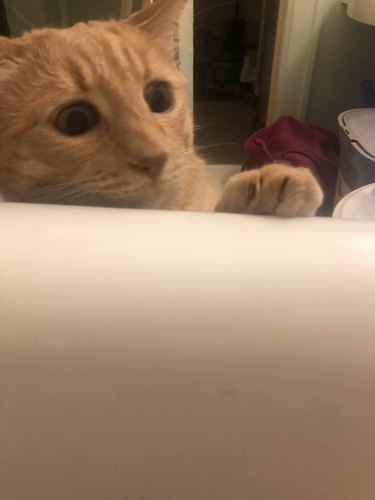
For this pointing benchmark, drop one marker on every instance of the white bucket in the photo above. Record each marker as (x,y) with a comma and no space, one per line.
(359,205)
(357,157)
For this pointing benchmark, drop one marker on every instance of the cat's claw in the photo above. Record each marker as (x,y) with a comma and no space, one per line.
(273,190)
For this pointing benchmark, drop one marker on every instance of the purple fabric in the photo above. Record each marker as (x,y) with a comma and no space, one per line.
(291,142)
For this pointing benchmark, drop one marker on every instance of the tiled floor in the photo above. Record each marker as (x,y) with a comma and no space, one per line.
(222,129)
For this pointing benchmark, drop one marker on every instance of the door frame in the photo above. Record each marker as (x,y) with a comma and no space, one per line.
(297,39)
(186,48)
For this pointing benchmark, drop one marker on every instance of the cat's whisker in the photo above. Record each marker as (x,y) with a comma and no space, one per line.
(72,198)
(210,124)
(57,193)
(209,146)
(50,196)
(203,127)
(53,190)
(199,148)
(77,195)
(63,187)
(190,151)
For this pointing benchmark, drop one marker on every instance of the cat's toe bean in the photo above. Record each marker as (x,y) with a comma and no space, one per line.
(301,196)
(241,193)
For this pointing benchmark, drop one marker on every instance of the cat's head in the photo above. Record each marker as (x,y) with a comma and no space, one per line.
(94,114)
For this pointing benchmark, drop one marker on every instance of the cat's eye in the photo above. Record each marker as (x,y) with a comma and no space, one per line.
(159,97)
(76,119)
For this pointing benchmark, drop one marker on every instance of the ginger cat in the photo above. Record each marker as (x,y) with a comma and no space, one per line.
(98,115)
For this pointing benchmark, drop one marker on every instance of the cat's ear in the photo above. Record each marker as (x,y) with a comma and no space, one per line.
(160,21)
(9,58)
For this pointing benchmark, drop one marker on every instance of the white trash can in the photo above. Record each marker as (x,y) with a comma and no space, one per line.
(357,157)
(359,205)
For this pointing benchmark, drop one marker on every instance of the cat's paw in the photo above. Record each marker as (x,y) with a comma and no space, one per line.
(273,190)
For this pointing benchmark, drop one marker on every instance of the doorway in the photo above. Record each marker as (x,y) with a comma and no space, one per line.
(234,44)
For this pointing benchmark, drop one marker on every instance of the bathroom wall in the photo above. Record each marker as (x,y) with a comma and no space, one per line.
(346,55)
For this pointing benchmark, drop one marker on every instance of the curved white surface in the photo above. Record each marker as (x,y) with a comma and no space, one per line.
(357,205)
(176,356)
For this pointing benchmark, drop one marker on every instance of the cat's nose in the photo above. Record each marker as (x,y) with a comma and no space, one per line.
(153,165)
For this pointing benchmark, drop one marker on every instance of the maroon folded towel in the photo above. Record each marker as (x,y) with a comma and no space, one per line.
(290,141)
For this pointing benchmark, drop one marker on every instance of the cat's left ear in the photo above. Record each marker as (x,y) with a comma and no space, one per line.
(8,58)
(159,20)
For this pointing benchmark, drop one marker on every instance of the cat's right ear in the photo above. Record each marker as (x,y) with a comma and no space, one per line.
(7,51)
(160,21)
(9,58)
